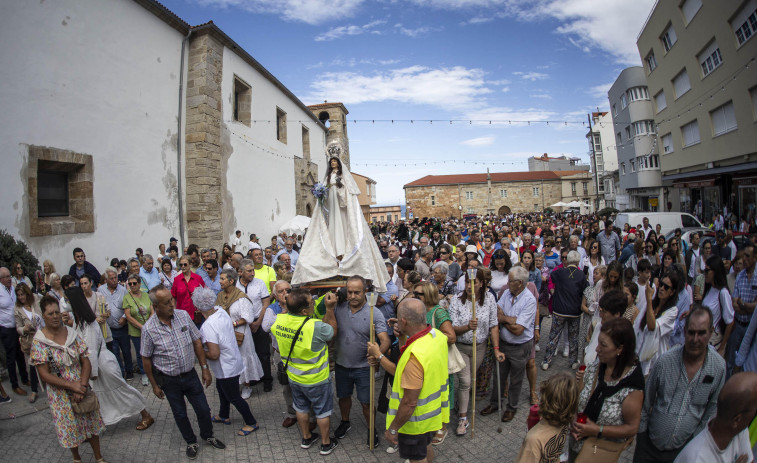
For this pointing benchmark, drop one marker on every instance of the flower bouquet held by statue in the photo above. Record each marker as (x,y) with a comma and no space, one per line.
(321,193)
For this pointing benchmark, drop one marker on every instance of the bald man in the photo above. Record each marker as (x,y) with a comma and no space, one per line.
(726,437)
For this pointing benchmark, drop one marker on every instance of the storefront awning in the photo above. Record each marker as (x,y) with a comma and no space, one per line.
(694,176)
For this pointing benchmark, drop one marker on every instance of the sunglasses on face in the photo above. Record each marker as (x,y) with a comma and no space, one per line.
(665,286)
(133,283)
(184,265)
(418,295)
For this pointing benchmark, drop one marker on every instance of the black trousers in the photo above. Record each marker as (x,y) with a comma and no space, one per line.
(262,342)
(14,358)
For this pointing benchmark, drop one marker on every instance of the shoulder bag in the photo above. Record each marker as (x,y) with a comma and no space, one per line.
(455,360)
(596,449)
(281,368)
(88,404)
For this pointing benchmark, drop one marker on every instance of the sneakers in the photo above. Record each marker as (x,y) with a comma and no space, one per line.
(192,451)
(462,426)
(342,430)
(307,443)
(328,448)
(392,449)
(5,400)
(129,376)
(145,381)
(246,392)
(215,443)
(566,351)
(545,366)
(375,440)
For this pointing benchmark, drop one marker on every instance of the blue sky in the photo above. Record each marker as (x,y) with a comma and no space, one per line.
(441,60)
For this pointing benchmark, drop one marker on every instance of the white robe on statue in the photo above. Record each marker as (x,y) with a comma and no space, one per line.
(117,399)
(341,230)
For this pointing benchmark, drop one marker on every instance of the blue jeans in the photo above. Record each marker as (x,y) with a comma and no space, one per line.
(320,398)
(359,378)
(188,385)
(228,393)
(121,344)
(734,343)
(137,341)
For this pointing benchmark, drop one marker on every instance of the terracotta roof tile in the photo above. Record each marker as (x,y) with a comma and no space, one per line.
(496,177)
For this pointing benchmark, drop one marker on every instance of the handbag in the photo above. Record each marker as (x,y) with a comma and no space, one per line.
(281,368)
(240,337)
(455,360)
(88,404)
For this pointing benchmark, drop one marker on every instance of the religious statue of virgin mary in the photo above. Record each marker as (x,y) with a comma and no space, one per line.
(338,241)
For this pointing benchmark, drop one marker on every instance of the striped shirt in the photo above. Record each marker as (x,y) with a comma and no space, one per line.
(676,409)
(170,347)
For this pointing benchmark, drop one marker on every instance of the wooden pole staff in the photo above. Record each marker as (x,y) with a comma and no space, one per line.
(372,298)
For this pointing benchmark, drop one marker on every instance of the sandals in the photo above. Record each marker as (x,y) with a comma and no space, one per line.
(218,419)
(146,423)
(242,431)
(439,437)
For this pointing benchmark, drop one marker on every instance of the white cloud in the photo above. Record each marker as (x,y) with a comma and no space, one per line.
(508,116)
(600,91)
(307,11)
(480,141)
(505,89)
(342,31)
(412,32)
(542,96)
(451,88)
(532,76)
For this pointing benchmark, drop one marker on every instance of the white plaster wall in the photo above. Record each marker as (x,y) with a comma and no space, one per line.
(609,150)
(260,173)
(101,78)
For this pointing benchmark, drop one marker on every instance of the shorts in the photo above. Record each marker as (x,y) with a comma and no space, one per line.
(360,378)
(414,447)
(319,398)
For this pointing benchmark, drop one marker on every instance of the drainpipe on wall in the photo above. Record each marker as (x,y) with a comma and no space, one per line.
(179,134)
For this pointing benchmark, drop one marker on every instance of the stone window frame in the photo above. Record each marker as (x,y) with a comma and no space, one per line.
(305,142)
(79,167)
(281,125)
(242,110)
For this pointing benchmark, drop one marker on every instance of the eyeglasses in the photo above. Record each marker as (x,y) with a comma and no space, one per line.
(418,295)
(443,252)
(184,265)
(133,283)
(665,286)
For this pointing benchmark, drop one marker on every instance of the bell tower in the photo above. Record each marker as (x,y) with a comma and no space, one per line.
(334,117)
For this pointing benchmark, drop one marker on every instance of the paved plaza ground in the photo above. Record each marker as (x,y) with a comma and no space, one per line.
(27,433)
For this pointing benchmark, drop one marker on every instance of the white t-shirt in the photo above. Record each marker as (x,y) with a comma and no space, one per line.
(218,329)
(713,300)
(702,449)
(253,245)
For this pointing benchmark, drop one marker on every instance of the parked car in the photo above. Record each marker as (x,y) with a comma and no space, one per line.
(668,221)
(687,232)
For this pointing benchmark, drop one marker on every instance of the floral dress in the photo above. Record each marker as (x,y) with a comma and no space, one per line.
(72,429)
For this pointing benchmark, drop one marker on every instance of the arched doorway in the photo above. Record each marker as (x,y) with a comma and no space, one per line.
(504,210)
(308,210)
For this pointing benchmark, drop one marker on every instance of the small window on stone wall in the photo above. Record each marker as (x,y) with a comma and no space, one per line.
(281,125)
(242,102)
(60,198)
(305,142)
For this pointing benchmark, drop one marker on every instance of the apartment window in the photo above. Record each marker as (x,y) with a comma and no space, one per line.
(681,83)
(633,165)
(660,102)
(536,206)
(667,143)
(623,167)
(281,125)
(643,127)
(654,161)
(242,102)
(618,138)
(586,188)
(573,188)
(623,101)
(305,142)
(668,38)
(753,94)
(468,195)
(535,191)
(597,143)
(601,187)
(723,119)
(614,110)
(503,193)
(710,58)
(433,200)
(638,93)
(470,210)
(628,132)
(651,61)
(689,8)
(690,133)
(744,23)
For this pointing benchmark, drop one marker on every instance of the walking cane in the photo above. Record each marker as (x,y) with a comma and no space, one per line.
(472,278)
(372,298)
(499,391)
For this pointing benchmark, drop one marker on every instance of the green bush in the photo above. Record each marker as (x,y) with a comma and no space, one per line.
(12,250)
(608,211)
(548,210)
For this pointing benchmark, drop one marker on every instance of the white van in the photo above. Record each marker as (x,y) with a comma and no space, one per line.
(669,221)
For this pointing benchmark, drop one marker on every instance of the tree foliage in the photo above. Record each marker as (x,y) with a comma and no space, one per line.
(12,250)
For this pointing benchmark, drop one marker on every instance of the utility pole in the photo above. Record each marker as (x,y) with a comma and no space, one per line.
(594,158)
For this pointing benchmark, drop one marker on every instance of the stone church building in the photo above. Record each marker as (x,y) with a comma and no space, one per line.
(124,126)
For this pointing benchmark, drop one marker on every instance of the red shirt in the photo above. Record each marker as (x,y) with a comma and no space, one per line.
(181,290)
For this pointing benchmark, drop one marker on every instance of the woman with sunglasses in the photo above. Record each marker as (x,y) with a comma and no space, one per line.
(500,266)
(19,277)
(656,326)
(183,286)
(137,309)
(447,255)
(592,260)
(650,252)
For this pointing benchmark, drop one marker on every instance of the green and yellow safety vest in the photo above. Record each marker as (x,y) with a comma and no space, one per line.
(433,403)
(305,366)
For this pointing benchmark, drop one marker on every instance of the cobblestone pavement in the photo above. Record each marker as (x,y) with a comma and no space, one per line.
(28,435)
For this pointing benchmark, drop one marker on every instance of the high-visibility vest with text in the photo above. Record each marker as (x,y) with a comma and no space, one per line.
(305,366)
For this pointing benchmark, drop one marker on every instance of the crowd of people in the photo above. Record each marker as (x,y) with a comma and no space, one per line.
(659,336)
